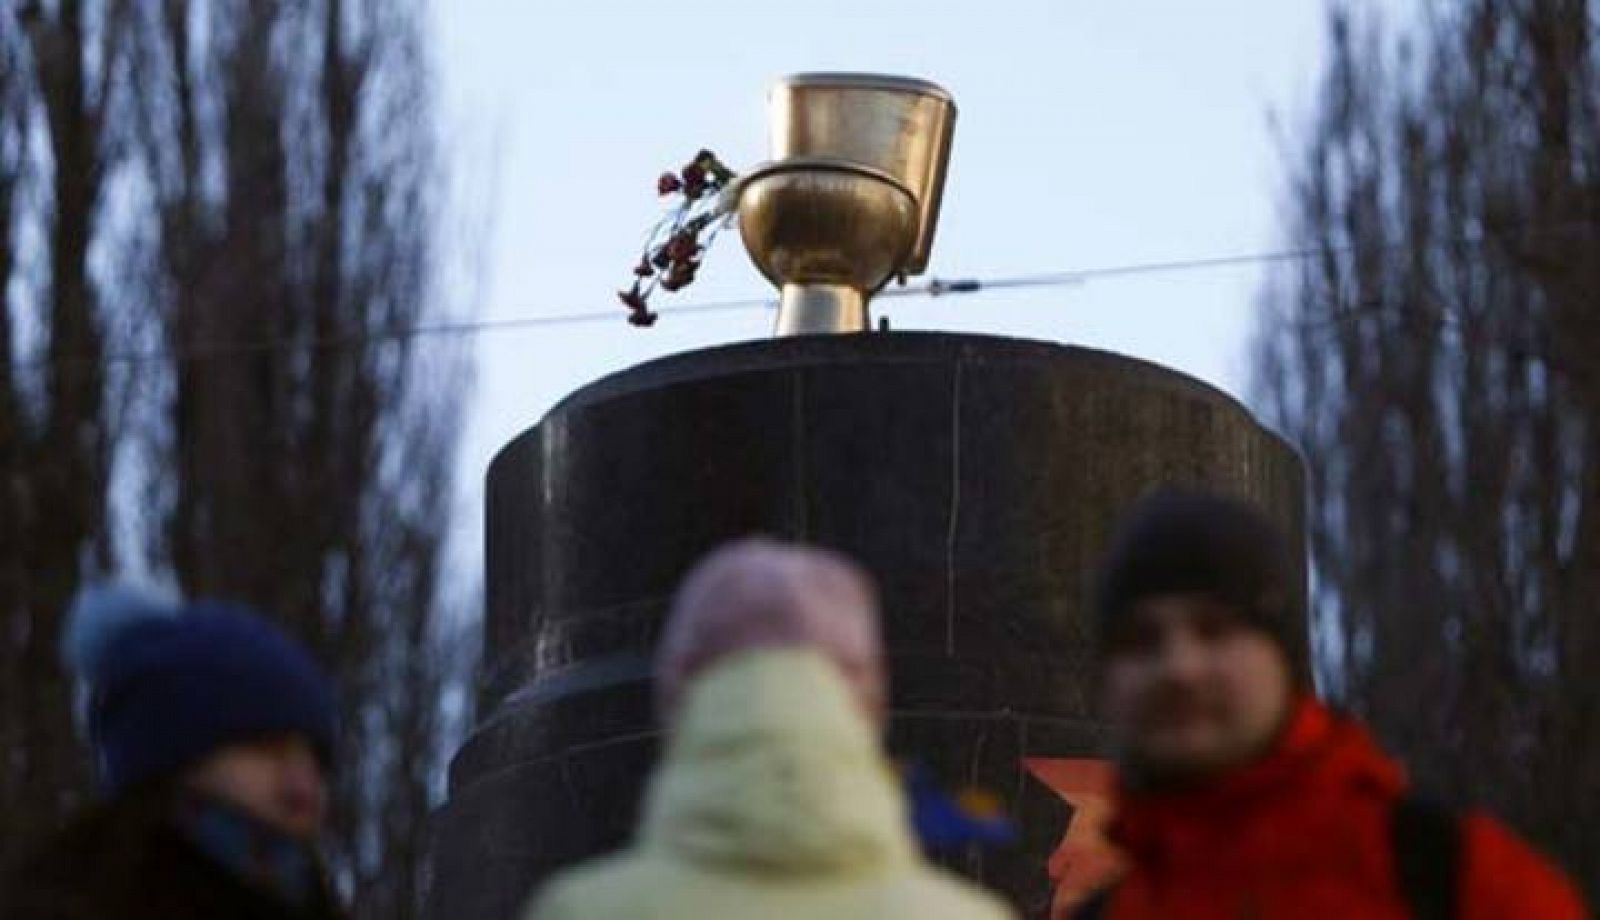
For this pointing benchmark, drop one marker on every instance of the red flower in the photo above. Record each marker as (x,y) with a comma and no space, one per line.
(680,276)
(633,299)
(694,181)
(682,247)
(672,264)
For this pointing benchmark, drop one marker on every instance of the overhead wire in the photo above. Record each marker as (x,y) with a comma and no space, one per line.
(933,288)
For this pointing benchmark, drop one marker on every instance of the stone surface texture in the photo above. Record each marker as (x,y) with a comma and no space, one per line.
(977,477)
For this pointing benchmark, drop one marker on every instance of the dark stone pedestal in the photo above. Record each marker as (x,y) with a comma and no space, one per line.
(978,477)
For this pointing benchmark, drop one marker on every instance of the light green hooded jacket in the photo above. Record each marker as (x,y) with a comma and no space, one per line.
(774,800)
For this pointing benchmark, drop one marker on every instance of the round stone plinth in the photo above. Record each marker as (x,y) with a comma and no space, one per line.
(977,477)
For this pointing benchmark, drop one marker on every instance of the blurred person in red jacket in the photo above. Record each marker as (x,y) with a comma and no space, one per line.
(1240,795)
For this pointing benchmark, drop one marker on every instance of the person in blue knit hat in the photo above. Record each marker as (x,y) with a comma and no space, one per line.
(212,734)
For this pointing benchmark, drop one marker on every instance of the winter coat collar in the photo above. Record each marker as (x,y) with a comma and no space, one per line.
(1319,759)
(254,853)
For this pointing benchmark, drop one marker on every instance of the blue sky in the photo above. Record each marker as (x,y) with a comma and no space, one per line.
(1090,134)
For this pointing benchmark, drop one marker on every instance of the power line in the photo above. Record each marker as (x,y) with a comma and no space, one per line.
(933,288)
(938,288)
(205,350)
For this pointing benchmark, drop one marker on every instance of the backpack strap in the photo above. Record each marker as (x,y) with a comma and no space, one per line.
(1427,855)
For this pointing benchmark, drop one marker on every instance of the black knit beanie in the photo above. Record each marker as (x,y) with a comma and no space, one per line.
(1175,542)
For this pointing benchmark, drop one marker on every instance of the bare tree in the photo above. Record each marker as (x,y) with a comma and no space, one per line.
(314,476)
(217,231)
(1435,363)
(58,70)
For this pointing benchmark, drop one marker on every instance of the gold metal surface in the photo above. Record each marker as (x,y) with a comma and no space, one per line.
(811,309)
(898,125)
(829,234)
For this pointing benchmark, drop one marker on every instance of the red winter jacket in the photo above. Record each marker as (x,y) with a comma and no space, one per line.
(1305,835)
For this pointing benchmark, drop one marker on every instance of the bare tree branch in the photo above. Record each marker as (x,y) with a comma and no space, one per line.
(1447,410)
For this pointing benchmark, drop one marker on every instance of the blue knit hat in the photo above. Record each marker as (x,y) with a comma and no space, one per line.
(170,682)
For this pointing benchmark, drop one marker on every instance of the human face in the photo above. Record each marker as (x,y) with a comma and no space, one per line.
(277,781)
(1190,689)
